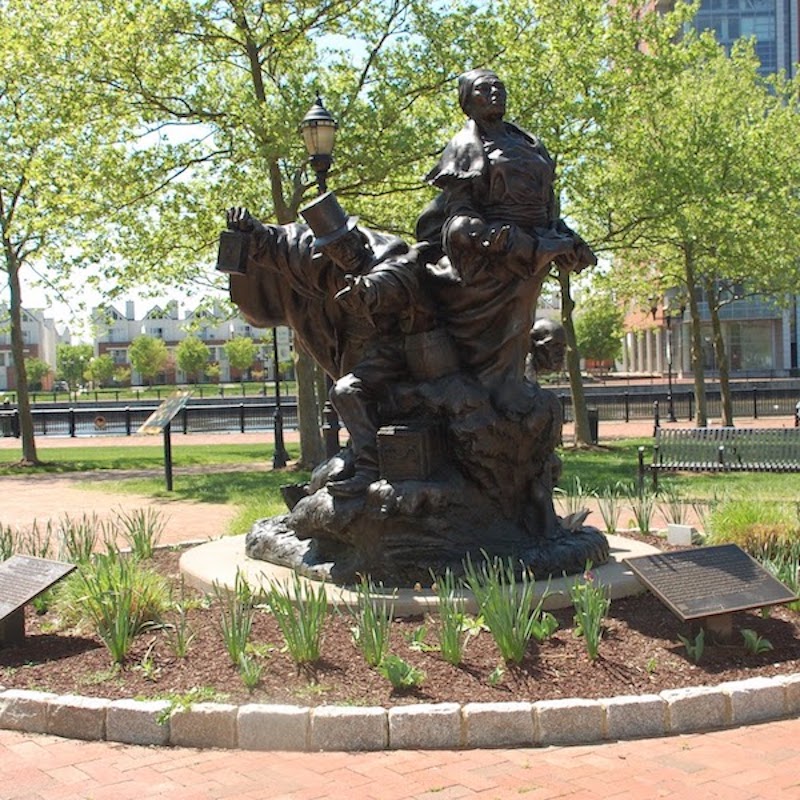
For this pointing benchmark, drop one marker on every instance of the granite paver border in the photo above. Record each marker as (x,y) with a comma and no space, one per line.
(448,726)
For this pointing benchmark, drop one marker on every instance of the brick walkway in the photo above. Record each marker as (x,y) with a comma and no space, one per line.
(753,763)
(741,764)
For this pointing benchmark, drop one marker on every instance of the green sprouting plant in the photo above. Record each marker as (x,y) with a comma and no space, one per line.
(183,701)
(300,609)
(416,640)
(112,612)
(784,564)
(400,673)
(758,528)
(651,667)
(694,647)
(673,507)
(36,542)
(236,616)
(372,617)
(179,634)
(141,528)
(755,644)
(147,664)
(454,630)
(88,594)
(508,607)
(496,676)
(42,602)
(77,538)
(573,497)
(608,502)
(643,506)
(250,670)
(7,542)
(591,602)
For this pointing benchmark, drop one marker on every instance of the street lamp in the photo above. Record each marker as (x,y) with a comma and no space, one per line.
(318,130)
(280,456)
(670,404)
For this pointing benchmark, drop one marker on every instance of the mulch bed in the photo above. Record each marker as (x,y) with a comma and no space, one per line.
(640,653)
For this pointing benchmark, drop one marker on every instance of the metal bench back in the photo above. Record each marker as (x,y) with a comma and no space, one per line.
(748,449)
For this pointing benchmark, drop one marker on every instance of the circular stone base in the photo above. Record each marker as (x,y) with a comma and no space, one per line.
(218,562)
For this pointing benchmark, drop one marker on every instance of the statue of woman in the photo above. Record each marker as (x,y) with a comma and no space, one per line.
(501,232)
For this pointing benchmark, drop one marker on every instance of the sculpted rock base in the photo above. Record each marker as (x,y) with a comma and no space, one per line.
(491,494)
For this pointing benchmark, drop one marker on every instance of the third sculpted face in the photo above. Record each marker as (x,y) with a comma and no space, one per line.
(488,99)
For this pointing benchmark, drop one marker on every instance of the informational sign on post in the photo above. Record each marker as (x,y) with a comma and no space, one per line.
(159,422)
(22,579)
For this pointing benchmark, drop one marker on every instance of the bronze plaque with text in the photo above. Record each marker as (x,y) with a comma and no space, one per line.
(24,577)
(706,581)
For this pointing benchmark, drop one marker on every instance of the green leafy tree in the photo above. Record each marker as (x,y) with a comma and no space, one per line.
(122,375)
(101,369)
(699,193)
(61,136)
(37,370)
(241,353)
(192,356)
(254,71)
(148,356)
(72,361)
(599,327)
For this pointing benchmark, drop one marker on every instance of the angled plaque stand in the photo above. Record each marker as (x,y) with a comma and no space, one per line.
(706,585)
(159,422)
(22,579)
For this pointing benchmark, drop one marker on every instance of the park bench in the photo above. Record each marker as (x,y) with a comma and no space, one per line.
(722,450)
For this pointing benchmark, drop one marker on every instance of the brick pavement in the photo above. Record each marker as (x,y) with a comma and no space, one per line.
(755,763)
(761,761)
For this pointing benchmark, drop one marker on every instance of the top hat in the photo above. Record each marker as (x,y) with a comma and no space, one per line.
(327,219)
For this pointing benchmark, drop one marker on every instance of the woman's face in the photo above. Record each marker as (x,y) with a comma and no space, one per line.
(488,99)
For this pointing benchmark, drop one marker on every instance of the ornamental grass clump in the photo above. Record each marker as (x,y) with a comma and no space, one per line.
(372,621)
(507,606)
(236,616)
(300,609)
(117,597)
(453,633)
(141,528)
(77,538)
(591,602)
(609,502)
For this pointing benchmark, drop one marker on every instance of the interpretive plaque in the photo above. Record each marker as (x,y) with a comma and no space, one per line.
(708,581)
(23,578)
(159,422)
(164,414)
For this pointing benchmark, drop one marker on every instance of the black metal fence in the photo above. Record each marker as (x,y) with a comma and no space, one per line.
(626,406)
(126,420)
(119,419)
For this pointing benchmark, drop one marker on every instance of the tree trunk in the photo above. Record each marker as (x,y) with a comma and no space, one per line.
(697,348)
(312,450)
(29,457)
(720,356)
(579,410)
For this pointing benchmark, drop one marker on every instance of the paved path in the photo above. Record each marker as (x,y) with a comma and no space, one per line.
(754,763)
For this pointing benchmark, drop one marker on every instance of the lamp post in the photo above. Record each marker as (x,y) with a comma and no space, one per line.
(670,403)
(318,130)
(280,456)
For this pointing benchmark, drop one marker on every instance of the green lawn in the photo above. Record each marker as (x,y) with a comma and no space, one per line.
(97,457)
(618,463)
(257,493)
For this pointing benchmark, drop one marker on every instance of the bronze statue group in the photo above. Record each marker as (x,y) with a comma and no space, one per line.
(433,353)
